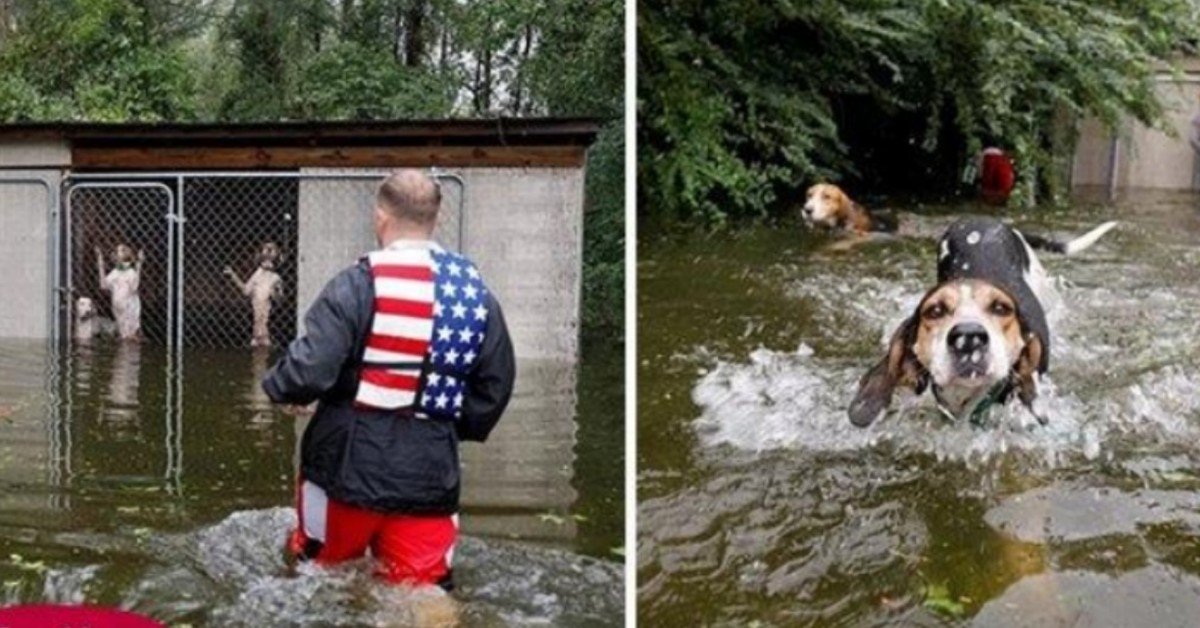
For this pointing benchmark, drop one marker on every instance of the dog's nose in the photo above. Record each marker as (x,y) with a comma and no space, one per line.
(967,337)
(806,210)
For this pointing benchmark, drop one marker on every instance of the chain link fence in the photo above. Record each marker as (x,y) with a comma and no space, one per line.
(226,275)
(222,250)
(102,217)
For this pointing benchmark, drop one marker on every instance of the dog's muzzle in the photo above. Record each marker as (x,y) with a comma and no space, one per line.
(968,345)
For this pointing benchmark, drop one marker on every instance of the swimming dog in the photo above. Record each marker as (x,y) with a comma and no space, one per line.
(262,287)
(122,283)
(89,323)
(980,334)
(828,205)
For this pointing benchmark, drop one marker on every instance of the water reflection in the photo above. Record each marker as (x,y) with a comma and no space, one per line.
(123,382)
(518,483)
(29,446)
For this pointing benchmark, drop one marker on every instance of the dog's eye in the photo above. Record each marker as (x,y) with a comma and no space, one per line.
(934,312)
(1000,308)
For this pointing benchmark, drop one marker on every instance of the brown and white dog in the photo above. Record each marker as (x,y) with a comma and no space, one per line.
(980,334)
(827,205)
(263,286)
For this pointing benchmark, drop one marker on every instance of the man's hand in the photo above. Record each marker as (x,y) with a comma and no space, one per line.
(299,411)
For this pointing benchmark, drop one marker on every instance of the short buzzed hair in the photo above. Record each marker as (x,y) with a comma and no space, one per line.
(410,195)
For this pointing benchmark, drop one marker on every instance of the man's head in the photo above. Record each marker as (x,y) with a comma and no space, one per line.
(406,206)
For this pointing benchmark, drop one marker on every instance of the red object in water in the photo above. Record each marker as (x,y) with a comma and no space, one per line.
(997,176)
(44,615)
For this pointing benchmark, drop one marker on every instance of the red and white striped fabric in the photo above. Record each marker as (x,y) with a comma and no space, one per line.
(402,327)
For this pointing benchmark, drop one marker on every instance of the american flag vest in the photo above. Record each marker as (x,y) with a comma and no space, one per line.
(429,320)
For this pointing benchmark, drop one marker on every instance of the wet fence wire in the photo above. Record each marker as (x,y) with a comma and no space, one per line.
(217,247)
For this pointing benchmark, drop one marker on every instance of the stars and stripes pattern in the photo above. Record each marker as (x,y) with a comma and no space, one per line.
(429,303)
(460,321)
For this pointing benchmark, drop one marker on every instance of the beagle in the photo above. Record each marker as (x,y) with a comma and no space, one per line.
(263,287)
(828,205)
(980,334)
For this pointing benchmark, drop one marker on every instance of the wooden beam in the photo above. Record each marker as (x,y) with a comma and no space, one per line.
(281,157)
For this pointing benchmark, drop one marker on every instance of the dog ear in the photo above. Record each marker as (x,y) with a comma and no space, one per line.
(898,367)
(1025,374)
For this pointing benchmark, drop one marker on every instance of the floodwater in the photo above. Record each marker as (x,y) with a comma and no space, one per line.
(759,503)
(165,491)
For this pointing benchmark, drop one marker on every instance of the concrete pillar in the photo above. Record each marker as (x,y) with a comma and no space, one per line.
(27,212)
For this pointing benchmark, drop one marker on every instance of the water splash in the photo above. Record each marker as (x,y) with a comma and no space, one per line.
(1122,385)
(499,583)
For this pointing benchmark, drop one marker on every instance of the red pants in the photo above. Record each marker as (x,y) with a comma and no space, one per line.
(414,550)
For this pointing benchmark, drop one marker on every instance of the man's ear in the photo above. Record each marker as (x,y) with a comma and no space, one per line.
(898,367)
(1025,374)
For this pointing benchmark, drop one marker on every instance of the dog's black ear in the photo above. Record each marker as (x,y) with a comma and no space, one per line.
(898,367)
(1025,374)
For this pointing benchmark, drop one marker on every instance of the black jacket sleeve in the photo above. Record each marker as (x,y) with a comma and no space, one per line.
(490,385)
(314,361)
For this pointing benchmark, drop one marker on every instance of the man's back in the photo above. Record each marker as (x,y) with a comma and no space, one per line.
(406,460)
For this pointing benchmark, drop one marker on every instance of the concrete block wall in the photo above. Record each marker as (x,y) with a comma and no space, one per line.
(523,227)
(27,199)
(1145,157)
(335,226)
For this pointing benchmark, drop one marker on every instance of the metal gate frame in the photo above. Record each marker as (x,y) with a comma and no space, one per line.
(177,225)
(172,218)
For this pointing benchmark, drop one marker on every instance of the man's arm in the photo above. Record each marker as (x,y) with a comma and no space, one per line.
(314,361)
(490,386)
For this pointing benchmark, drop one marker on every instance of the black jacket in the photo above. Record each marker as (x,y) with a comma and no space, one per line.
(381,460)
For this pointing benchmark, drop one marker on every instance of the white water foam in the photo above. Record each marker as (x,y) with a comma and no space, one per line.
(798,400)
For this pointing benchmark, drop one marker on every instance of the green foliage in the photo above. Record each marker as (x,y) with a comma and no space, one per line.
(93,60)
(744,102)
(346,82)
(604,232)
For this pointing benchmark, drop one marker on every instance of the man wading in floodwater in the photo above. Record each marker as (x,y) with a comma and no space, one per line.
(406,353)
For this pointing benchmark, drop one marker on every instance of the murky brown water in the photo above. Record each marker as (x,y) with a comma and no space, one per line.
(124,484)
(759,504)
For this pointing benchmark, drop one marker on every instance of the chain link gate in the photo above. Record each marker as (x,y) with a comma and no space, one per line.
(204,236)
(102,216)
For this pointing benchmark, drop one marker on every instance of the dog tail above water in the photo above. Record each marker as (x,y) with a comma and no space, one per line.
(1072,247)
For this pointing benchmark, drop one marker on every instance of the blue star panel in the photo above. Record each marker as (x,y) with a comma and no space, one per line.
(460,319)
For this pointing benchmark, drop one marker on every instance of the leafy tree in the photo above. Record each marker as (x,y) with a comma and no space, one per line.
(96,60)
(345,82)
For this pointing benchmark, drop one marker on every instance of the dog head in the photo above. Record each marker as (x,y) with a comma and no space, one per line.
(826,204)
(965,337)
(268,255)
(85,308)
(123,255)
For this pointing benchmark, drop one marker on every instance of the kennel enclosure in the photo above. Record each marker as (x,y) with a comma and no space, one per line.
(198,198)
